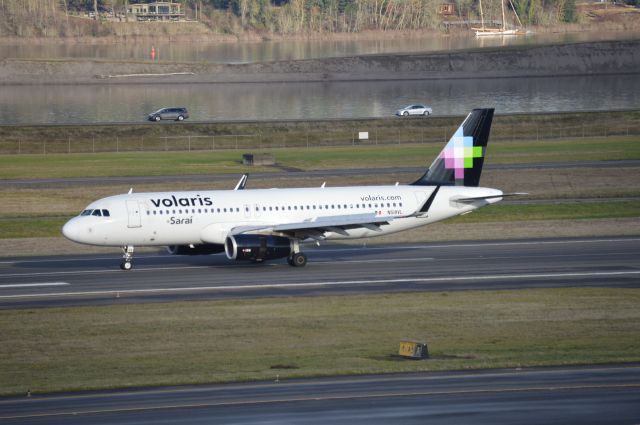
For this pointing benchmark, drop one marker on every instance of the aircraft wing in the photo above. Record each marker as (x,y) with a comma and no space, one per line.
(315,228)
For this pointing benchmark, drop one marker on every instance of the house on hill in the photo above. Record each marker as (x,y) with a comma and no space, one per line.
(156,11)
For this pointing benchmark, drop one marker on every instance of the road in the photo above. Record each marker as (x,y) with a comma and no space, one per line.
(332,269)
(585,395)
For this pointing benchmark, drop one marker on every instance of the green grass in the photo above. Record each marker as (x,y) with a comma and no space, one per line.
(568,211)
(229,161)
(31,226)
(59,349)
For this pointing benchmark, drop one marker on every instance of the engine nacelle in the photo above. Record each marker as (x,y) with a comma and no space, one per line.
(256,247)
(203,249)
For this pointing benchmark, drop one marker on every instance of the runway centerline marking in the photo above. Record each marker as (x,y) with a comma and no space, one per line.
(328,283)
(33,285)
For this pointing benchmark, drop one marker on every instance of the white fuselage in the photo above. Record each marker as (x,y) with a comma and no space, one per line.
(196,217)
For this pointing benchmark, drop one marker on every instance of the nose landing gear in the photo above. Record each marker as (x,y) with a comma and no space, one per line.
(127,256)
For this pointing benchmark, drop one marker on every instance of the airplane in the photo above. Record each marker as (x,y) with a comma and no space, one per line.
(267,224)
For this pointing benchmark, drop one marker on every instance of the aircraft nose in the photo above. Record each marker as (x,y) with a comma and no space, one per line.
(71,230)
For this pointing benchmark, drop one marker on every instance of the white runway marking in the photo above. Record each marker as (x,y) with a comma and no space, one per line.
(330,283)
(33,285)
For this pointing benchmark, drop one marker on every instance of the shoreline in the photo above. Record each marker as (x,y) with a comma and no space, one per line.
(586,58)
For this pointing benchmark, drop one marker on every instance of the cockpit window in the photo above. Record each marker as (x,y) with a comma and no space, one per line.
(97,213)
(86,212)
(105,213)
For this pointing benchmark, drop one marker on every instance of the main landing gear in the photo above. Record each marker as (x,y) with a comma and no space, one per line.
(127,256)
(297,258)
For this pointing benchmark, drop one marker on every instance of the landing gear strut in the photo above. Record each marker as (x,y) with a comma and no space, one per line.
(127,256)
(297,258)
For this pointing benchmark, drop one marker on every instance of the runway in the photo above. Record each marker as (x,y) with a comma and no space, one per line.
(332,269)
(586,395)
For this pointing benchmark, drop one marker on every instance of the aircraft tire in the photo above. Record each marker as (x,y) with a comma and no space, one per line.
(299,260)
(126,265)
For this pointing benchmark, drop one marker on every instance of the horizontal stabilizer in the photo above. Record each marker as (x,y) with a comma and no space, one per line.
(482,198)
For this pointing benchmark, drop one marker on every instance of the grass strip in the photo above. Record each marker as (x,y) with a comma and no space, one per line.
(80,348)
(32,227)
(560,211)
(229,161)
(39,226)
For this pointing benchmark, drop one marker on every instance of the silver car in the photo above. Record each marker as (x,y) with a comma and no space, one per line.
(177,114)
(414,110)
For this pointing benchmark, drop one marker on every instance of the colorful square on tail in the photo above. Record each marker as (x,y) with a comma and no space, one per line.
(459,153)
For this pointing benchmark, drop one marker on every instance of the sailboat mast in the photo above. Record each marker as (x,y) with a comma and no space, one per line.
(503,24)
(481,15)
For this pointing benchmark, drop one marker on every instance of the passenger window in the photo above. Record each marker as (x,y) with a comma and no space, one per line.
(96,213)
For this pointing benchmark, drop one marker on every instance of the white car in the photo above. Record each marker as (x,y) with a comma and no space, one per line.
(414,110)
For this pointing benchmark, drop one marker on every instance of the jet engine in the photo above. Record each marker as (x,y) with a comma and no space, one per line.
(256,247)
(203,249)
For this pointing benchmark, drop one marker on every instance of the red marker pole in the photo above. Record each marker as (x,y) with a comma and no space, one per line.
(153,53)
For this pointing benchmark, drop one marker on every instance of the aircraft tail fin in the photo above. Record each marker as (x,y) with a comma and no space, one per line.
(460,162)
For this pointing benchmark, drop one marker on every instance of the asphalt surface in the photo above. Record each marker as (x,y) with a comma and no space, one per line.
(332,269)
(278,173)
(585,395)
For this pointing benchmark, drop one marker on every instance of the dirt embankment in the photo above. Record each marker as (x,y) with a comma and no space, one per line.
(613,57)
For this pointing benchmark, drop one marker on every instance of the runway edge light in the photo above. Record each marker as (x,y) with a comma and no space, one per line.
(413,350)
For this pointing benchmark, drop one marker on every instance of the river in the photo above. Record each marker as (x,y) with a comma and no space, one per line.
(51,104)
(246,52)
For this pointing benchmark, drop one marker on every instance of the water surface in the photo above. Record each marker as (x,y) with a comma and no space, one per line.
(245,52)
(131,103)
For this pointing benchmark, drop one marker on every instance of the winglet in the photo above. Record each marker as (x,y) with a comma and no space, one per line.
(242,182)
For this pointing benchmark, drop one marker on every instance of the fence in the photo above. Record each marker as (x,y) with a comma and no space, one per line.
(302,138)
